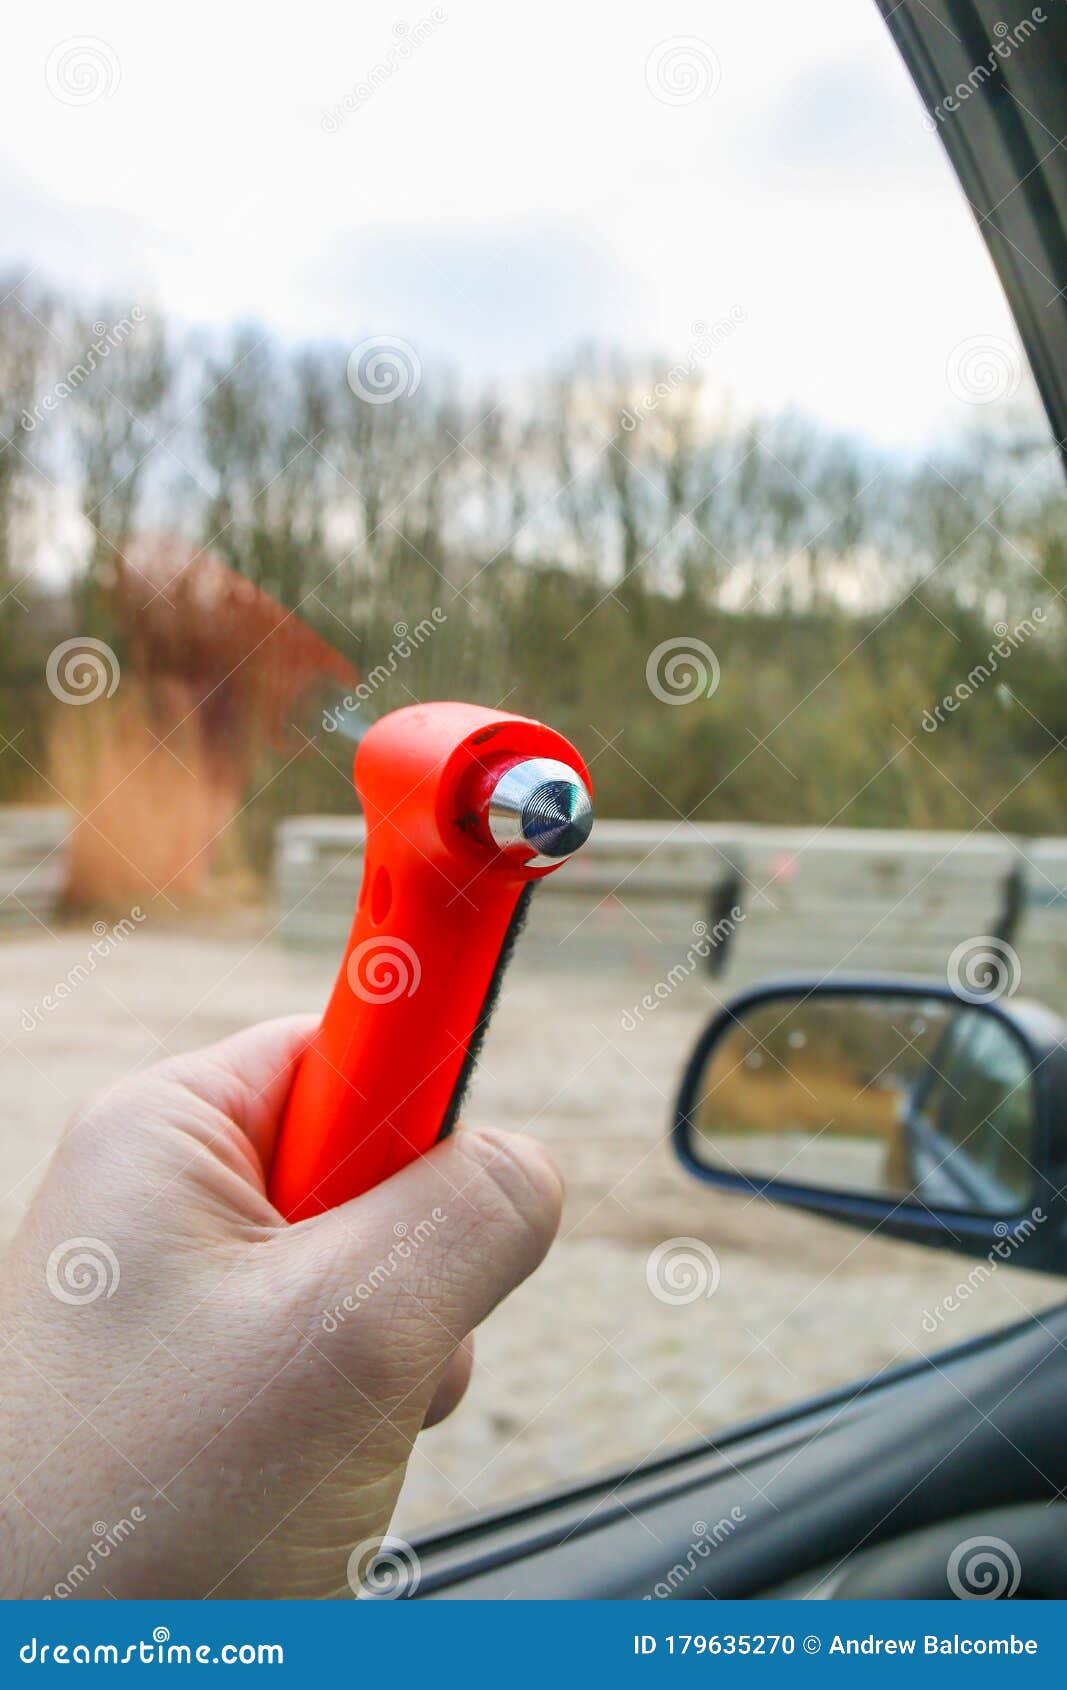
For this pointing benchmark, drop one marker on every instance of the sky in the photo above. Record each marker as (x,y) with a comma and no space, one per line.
(514,182)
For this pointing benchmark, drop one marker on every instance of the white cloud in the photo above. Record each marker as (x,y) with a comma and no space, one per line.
(513,188)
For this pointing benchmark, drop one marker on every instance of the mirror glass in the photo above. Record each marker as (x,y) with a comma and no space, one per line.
(924,1100)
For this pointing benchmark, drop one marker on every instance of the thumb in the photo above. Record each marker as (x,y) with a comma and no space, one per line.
(441,1243)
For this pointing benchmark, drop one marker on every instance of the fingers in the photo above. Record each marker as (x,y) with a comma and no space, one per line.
(430,1252)
(452,1387)
(247,1076)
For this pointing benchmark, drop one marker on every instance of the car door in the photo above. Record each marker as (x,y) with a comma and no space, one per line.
(874,1489)
(739,572)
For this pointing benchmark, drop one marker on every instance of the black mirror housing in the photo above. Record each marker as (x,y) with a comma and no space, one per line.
(944,1196)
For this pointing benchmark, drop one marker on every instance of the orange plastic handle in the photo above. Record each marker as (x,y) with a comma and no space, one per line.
(376,1085)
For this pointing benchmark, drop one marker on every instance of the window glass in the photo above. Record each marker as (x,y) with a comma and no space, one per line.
(643,374)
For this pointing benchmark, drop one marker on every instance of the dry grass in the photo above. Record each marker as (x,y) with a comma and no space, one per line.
(213,672)
(804,1099)
(153,817)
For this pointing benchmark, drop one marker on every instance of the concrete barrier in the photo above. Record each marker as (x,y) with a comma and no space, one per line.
(854,900)
(1044,923)
(32,862)
(634,888)
(823,900)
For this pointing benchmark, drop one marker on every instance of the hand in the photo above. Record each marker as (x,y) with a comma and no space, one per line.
(201,1400)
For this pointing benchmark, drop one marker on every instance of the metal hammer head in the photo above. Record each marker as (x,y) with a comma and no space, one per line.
(541,806)
(454,781)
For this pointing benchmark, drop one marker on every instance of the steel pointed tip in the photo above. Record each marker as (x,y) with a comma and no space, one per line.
(557,817)
(543,807)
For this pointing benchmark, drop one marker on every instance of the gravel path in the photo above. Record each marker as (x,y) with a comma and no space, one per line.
(584,1367)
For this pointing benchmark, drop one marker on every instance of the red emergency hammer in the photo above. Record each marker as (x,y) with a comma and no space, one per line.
(466,808)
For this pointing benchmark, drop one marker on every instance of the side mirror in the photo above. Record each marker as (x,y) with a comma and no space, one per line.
(888,1104)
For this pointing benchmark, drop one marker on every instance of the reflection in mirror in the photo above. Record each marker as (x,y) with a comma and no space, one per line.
(921,1099)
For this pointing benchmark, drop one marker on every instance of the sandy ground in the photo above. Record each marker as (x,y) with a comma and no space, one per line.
(584,1367)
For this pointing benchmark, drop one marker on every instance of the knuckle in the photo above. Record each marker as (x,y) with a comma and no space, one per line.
(507,1186)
